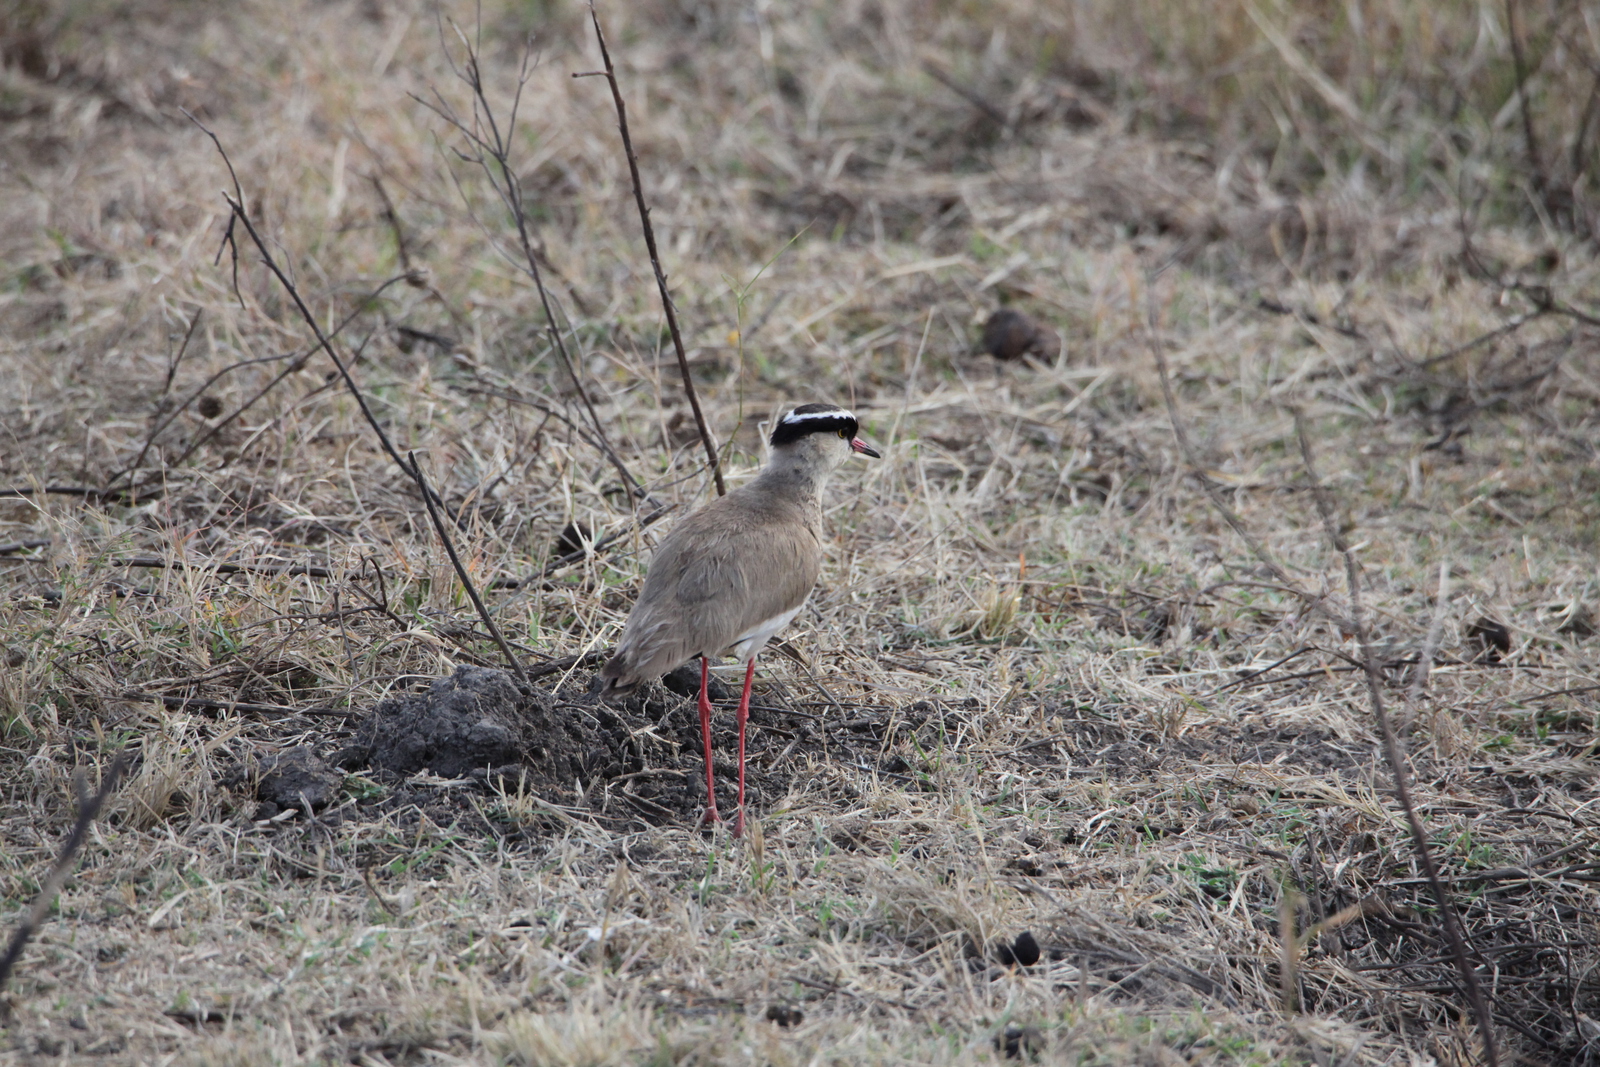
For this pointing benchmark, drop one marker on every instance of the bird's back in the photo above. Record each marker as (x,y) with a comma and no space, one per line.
(738,562)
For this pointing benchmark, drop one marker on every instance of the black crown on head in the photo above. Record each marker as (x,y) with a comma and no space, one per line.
(813,418)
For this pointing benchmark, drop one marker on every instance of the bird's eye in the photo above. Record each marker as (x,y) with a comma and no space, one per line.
(844,435)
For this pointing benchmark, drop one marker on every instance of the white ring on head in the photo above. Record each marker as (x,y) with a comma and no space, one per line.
(812,416)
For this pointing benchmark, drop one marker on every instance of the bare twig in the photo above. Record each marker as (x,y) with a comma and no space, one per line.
(514,396)
(281,375)
(285,569)
(490,151)
(1542,297)
(1396,760)
(1586,120)
(172,368)
(971,96)
(323,342)
(181,703)
(602,544)
(655,258)
(1356,624)
(88,810)
(461,571)
(555,666)
(11,547)
(200,391)
(1515,323)
(401,249)
(240,216)
(88,492)
(1541,179)
(1289,961)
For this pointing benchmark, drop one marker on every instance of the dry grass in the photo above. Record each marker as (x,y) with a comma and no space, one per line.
(1028,703)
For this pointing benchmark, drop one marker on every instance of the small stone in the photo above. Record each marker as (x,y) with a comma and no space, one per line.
(209,407)
(1026,950)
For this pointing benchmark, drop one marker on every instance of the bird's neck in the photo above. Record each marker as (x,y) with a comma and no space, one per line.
(793,477)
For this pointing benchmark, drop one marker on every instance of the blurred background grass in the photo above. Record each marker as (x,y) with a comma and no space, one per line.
(1492,101)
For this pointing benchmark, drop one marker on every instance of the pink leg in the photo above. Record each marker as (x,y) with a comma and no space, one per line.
(711,815)
(744,717)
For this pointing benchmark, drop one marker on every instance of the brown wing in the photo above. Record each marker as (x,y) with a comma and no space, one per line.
(732,565)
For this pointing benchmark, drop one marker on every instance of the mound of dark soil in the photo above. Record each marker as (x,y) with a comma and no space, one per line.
(472,720)
(635,757)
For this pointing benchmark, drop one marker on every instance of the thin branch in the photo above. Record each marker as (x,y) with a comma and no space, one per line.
(1543,299)
(233,415)
(181,703)
(655,258)
(401,249)
(1584,123)
(555,666)
(11,547)
(495,147)
(1356,624)
(971,96)
(172,368)
(155,432)
(273,569)
(324,343)
(1396,760)
(88,810)
(604,543)
(1515,323)
(88,492)
(1541,180)
(461,571)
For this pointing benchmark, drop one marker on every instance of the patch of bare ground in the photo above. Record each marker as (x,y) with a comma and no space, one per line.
(1060,766)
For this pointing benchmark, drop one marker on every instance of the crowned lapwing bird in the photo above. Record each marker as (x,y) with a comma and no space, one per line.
(737,571)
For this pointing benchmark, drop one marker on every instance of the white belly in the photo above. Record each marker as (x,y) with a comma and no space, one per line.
(747,644)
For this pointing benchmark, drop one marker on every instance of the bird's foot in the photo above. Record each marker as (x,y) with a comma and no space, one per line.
(710,817)
(738,823)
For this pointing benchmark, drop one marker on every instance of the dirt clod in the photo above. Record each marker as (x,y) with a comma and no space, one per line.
(575,537)
(685,681)
(474,718)
(784,1015)
(1491,639)
(1018,1042)
(295,778)
(1011,335)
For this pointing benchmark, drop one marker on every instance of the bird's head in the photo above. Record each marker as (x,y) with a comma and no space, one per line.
(819,436)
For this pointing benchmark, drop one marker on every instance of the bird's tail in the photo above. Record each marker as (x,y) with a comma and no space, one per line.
(613,678)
